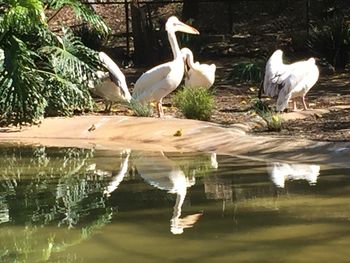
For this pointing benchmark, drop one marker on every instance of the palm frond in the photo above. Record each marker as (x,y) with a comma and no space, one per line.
(22,15)
(83,11)
(21,88)
(71,59)
(65,97)
(40,72)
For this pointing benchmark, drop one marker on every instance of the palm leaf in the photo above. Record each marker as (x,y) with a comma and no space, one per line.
(41,73)
(69,58)
(82,11)
(21,98)
(22,15)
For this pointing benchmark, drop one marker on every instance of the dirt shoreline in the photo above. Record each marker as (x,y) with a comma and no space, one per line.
(153,134)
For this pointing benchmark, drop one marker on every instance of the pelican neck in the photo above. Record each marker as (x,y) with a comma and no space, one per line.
(190,60)
(174,44)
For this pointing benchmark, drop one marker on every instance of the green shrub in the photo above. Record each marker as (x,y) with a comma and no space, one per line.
(272,119)
(249,71)
(140,110)
(331,40)
(195,103)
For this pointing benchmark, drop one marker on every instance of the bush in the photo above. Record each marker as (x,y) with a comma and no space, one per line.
(331,40)
(141,110)
(251,71)
(272,119)
(195,103)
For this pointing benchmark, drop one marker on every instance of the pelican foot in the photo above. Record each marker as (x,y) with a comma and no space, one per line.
(167,117)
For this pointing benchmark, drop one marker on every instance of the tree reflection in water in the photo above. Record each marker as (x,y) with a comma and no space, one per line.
(41,188)
(44,186)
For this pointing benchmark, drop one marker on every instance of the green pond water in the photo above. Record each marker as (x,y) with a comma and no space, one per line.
(85,205)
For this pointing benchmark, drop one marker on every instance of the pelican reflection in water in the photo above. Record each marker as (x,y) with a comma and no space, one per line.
(161,172)
(117,179)
(280,172)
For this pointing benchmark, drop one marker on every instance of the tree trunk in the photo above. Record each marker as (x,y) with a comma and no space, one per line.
(142,35)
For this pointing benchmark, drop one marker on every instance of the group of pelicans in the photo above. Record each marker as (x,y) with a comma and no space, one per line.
(284,81)
(158,82)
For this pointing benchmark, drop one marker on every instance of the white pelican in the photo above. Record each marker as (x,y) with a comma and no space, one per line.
(280,172)
(112,86)
(161,80)
(289,81)
(198,75)
(162,173)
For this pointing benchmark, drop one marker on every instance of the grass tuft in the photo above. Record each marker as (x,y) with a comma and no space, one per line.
(272,119)
(195,103)
(140,110)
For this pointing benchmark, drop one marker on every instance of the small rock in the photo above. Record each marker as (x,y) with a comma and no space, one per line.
(92,128)
(178,133)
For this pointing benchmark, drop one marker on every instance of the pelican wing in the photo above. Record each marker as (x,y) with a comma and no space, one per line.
(203,75)
(108,90)
(275,73)
(105,88)
(146,85)
(117,75)
(300,79)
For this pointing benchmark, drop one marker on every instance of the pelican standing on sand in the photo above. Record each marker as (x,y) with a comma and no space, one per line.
(161,80)
(289,81)
(112,85)
(197,75)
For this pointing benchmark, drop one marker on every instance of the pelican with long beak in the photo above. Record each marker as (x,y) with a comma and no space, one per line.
(158,82)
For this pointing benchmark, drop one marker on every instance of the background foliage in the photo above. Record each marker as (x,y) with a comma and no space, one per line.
(41,72)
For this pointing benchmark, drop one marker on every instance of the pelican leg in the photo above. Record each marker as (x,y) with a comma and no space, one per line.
(294,105)
(304,103)
(160,109)
(108,106)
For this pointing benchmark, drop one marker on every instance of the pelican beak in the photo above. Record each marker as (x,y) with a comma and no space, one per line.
(186,28)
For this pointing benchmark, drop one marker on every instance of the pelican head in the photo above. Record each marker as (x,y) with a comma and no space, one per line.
(278,53)
(312,60)
(173,24)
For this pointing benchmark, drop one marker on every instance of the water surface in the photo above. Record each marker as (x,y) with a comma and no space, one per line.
(84,205)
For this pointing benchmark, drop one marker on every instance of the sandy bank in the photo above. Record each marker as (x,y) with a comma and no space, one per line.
(106,132)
